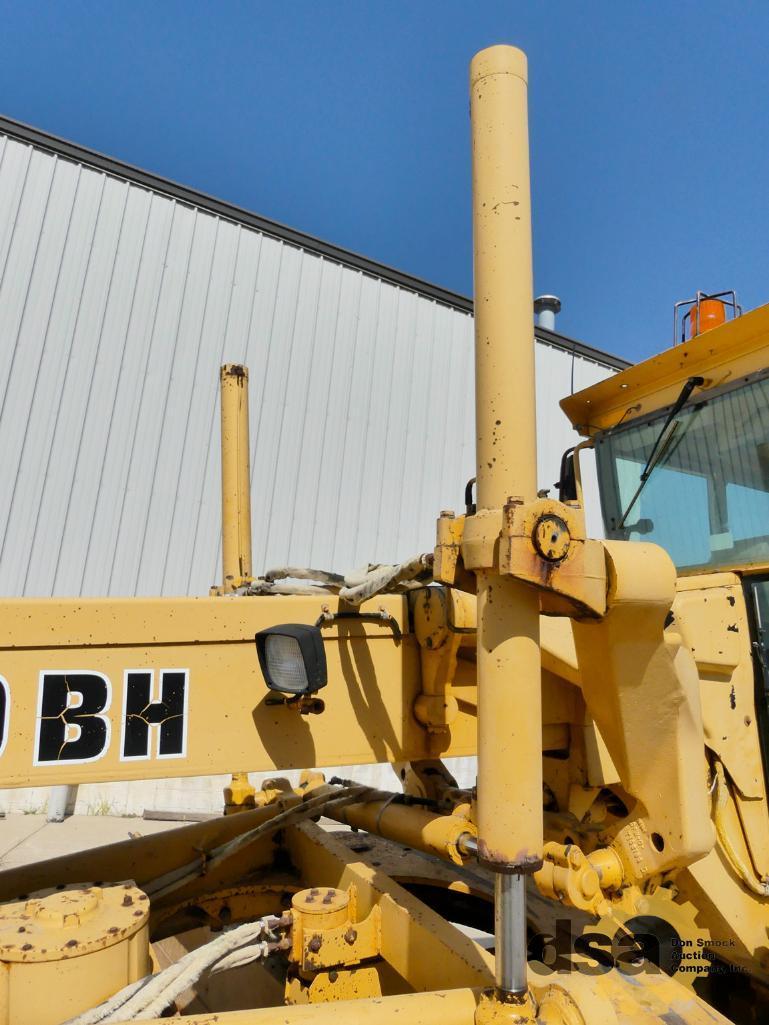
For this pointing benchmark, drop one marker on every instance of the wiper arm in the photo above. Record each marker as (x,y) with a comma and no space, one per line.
(662,442)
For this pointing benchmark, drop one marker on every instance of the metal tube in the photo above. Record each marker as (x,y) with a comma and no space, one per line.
(236,477)
(510,932)
(503,280)
(443,835)
(545,309)
(509,686)
(509,804)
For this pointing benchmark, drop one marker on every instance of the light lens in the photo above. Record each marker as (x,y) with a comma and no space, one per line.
(285,664)
(292,658)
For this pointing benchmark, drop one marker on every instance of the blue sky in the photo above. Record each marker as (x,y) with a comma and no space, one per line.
(349,120)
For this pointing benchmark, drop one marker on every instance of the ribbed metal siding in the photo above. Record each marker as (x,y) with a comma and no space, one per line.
(117,307)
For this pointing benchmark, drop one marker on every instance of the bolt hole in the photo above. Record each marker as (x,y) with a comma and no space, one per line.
(658,842)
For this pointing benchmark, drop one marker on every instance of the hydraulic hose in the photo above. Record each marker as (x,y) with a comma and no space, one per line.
(149,997)
(747,877)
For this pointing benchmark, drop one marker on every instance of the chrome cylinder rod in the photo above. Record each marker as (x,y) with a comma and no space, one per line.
(510,941)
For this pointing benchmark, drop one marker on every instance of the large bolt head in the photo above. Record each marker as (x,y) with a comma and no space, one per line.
(551,537)
(320,900)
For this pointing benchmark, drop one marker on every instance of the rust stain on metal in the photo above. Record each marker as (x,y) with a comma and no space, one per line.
(523,862)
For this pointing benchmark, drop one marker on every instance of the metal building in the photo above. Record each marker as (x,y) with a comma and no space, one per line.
(121,293)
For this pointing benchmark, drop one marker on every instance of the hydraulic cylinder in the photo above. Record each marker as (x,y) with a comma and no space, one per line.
(509,798)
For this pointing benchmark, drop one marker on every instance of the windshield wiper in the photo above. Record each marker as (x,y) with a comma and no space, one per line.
(662,442)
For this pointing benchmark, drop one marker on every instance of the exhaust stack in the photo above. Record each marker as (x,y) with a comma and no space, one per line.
(546,308)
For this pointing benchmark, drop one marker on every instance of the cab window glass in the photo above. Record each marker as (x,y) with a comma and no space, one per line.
(707,499)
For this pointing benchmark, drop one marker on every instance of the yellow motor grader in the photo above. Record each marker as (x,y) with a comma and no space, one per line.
(611,864)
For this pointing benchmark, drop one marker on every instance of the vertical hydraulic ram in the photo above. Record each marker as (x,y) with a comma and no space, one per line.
(236,477)
(509,806)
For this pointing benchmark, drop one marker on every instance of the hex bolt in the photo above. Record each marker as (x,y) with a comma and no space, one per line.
(315,944)
(350,936)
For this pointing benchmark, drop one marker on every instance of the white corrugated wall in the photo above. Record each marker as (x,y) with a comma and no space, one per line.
(117,307)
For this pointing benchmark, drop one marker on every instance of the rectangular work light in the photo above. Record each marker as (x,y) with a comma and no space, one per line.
(292,658)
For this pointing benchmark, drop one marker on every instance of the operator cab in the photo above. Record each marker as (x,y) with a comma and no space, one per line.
(682,442)
(682,454)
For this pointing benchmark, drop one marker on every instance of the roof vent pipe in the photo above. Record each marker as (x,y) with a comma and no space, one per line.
(545,309)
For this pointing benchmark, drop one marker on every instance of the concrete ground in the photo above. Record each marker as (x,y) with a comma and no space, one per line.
(29,838)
